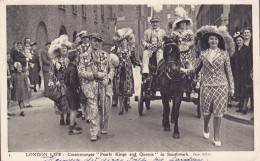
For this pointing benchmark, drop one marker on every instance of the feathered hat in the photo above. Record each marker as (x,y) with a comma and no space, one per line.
(56,44)
(237,35)
(124,33)
(180,16)
(225,40)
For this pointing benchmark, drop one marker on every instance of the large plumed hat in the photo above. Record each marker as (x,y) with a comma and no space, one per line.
(56,44)
(124,33)
(225,40)
(180,16)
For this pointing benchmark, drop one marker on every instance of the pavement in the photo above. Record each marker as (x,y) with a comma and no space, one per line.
(239,117)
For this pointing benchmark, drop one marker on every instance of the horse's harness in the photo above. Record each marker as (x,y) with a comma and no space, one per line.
(171,67)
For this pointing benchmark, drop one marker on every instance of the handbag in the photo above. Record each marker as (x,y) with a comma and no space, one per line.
(55,93)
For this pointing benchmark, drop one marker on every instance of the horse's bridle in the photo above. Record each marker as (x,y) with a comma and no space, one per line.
(168,70)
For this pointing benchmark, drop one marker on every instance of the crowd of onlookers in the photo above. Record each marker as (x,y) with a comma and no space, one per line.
(23,72)
(242,69)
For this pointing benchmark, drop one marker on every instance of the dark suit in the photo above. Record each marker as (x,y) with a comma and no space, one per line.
(46,63)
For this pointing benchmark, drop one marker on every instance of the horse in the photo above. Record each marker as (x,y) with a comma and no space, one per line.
(172,83)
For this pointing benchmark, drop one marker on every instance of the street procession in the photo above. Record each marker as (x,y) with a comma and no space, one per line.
(173,75)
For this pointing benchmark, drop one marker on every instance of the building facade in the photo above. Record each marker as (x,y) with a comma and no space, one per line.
(43,23)
(240,17)
(212,15)
(235,17)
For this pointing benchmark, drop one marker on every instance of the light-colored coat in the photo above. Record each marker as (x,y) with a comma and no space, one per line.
(218,72)
(148,36)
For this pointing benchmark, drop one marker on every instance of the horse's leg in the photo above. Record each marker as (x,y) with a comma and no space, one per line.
(172,113)
(176,108)
(166,112)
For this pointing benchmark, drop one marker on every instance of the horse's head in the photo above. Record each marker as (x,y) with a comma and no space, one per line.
(171,54)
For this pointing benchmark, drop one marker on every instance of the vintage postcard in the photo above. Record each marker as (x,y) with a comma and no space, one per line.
(129,81)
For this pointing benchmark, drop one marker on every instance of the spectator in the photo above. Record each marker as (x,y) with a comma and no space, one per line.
(247,32)
(242,68)
(19,87)
(19,56)
(46,63)
(34,66)
(13,49)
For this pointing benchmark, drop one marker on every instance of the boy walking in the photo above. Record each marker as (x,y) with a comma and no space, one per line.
(72,92)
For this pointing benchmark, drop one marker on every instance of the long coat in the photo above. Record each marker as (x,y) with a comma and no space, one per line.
(58,75)
(95,61)
(124,79)
(72,86)
(148,35)
(217,79)
(46,61)
(242,66)
(20,86)
(34,69)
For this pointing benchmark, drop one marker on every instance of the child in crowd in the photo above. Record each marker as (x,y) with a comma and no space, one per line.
(20,86)
(72,92)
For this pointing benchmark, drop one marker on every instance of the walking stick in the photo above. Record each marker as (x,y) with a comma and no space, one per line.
(103,107)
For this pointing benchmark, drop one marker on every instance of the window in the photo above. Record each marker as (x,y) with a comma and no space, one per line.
(62,7)
(120,7)
(168,7)
(84,13)
(137,10)
(74,9)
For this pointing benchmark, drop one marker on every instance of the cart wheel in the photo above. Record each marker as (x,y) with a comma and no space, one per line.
(147,103)
(198,106)
(141,101)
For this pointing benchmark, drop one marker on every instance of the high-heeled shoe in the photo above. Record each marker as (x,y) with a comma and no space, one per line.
(206,135)
(217,143)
